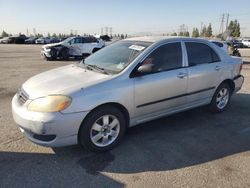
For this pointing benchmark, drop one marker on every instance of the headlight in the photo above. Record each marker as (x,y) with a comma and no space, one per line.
(52,103)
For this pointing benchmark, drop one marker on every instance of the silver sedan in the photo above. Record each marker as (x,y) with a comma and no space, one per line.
(129,82)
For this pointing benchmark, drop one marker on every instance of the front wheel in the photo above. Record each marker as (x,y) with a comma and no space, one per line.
(102,129)
(221,98)
(64,53)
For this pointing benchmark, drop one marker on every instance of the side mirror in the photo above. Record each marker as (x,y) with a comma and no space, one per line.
(146,68)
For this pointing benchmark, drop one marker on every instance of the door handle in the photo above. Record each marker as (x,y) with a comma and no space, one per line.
(181,75)
(217,68)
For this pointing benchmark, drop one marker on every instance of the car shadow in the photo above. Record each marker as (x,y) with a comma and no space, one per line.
(186,139)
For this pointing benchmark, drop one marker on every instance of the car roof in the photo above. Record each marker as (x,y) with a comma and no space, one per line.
(154,39)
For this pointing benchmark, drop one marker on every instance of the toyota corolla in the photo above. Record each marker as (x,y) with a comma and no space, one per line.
(127,83)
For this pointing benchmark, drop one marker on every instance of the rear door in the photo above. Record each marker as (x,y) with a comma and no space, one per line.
(165,87)
(204,69)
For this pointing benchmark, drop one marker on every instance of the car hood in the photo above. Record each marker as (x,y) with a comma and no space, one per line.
(52,45)
(63,80)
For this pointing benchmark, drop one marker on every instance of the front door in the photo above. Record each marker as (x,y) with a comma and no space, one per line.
(164,88)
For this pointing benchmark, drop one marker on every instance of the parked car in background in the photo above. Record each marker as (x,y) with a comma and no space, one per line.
(16,39)
(43,40)
(19,39)
(5,40)
(236,43)
(30,40)
(124,84)
(220,44)
(246,43)
(76,47)
(54,40)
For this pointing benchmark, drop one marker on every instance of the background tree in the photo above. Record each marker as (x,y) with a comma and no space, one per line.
(4,34)
(203,31)
(181,33)
(174,34)
(186,34)
(209,31)
(38,35)
(48,35)
(54,35)
(234,27)
(195,33)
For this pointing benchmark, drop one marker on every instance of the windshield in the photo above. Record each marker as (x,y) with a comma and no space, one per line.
(68,39)
(115,57)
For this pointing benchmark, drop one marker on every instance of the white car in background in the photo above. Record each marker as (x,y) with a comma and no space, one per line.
(246,43)
(72,47)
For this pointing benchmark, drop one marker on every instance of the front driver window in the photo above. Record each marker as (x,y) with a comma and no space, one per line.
(166,57)
(71,41)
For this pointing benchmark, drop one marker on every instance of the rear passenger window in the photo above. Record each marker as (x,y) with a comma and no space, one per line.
(166,57)
(199,53)
(88,40)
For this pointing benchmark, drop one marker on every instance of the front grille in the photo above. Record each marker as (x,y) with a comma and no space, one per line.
(22,96)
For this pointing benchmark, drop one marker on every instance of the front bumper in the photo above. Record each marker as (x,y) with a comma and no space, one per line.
(238,82)
(45,53)
(47,129)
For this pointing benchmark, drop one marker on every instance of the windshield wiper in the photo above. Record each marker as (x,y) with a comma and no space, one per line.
(102,70)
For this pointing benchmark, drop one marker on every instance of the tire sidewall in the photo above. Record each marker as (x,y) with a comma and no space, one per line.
(213,106)
(85,129)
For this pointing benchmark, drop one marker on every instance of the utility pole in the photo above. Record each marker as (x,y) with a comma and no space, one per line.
(34,31)
(102,31)
(227,31)
(110,31)
(106,30)
(201,27)
(222,23)
(227,21)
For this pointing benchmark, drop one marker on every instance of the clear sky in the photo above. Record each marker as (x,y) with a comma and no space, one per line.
(124,16)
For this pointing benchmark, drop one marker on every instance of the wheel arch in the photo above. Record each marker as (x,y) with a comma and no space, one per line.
(95,49)
(113,104)
(230,82)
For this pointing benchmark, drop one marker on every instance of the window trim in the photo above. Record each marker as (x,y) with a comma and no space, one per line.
(211,48)
(134,73)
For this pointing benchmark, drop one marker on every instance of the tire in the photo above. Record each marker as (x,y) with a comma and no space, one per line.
(95,133)
(221,98)
(53,54)
(64,54)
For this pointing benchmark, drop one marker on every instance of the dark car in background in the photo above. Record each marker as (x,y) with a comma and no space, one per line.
(16,39)
(30,40)
(236,43)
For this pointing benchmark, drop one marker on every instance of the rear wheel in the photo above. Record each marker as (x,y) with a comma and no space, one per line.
(102,129)
(221,98)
